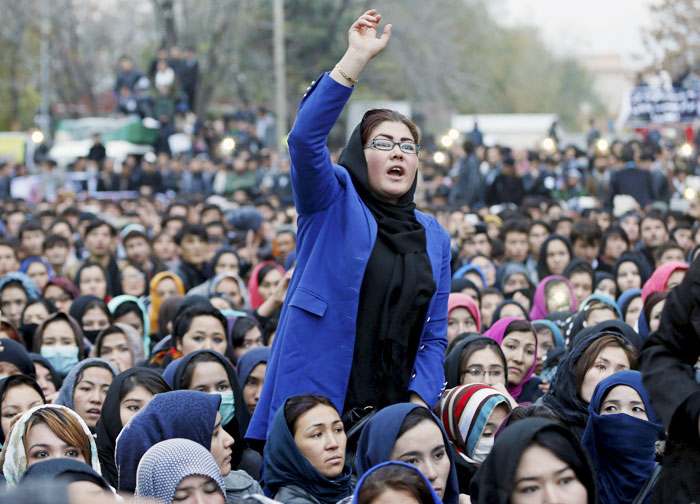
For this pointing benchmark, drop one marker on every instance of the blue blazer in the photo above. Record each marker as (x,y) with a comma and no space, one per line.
(313,348)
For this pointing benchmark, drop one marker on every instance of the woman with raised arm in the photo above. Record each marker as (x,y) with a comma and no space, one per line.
(364,321)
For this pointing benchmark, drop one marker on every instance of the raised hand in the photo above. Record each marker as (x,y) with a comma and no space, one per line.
(362,36)
(363,45)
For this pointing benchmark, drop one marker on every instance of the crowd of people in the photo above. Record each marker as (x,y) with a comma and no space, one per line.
(313,337)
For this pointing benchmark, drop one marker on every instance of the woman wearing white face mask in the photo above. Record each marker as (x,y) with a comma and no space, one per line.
(480,408)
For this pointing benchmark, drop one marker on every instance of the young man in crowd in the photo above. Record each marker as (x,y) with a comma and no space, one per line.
(137,249)
(585,239)
(191,243)
(31,239)
(99,238)
(653,233)
(56,250)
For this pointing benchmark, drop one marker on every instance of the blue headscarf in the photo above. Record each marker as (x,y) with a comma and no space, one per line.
(30,260)
(119,300)
(556,332)
(250,360)
(621,446)
(602,298)
(167,463)
(379,436)
(28,285)
(285,465)
(67,390)
(186,414)
(466,269)
(436,499)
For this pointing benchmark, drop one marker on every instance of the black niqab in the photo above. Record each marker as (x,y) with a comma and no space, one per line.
(396,289)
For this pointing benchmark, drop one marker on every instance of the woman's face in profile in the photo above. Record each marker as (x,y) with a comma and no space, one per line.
(390,173)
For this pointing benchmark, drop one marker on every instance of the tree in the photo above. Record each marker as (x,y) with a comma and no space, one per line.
(674,39)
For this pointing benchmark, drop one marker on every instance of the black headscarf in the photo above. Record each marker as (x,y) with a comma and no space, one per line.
(396,289)
(493,482)
(110,423)
(563,397)
(497,312)
(55,377)
(455,356)
(642,267)
(63,469)
(78,309)
(542,268)
(239,424)
(24,380)
(14,353)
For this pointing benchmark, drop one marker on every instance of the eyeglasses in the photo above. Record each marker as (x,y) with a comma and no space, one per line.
(387,145)
(64,297)
(478,373)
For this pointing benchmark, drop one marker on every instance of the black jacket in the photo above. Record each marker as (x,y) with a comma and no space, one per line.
(667,360)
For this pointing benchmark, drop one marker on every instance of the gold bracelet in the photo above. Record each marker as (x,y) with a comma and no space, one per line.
(346,76)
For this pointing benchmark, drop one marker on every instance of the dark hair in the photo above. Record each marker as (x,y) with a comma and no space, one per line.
(374,117)
(514,226)
(480,344)
(62,220)
(539,223)
(99,364)
(17,380)
(579,266)
(520,325)
(586,230)
(414,417)
(191,229)
(211,206)
(299,404)
(150,380)
(664,247)
(562,448)
(653,215)
(188,372)
(588,357)
(241,328)
(183,322)
(97,223)
(75,326)
(652,300)
(31,225)
(395,477)
(614,230)
(262,272)
(127,307)
(90,264)
(54,240)
(11,244)
(50,307)
(528,411)
(107,331)
(100,305)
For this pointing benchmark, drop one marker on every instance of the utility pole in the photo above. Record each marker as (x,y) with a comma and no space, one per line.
(280,76)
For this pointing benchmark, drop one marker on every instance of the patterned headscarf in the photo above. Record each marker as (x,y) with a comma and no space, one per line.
(15,463)
(28,285)
(464,411)
(167,463)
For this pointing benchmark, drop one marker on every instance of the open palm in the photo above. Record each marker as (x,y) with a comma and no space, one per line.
(362,36)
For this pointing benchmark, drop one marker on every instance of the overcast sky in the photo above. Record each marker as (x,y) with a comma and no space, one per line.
(585,26)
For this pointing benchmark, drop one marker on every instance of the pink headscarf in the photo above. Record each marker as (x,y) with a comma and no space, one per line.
(457,299)
(497,333)
(539,304)
(658,280)
(255,298)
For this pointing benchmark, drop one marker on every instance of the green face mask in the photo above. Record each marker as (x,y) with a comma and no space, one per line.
(227,408)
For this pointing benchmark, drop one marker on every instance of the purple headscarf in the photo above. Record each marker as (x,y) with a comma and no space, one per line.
(539,304)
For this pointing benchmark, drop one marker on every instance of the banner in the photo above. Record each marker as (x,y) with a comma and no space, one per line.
(662,106)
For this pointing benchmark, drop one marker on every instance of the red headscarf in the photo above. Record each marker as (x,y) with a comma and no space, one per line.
(658,280)
(255,298)
(457,299)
